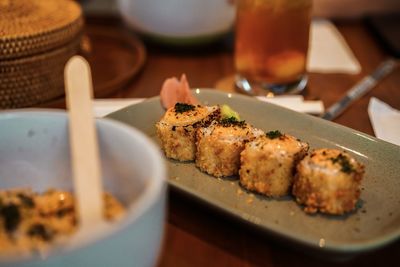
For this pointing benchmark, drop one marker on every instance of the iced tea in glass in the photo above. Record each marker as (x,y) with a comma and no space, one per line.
(271,45)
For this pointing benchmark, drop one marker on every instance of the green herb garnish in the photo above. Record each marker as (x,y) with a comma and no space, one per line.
(227,112)
(39,230)
(11,216)
(274,134)
(62,212)
(229,120)
(232,121)
(26,200)
(344,162)
(182,107)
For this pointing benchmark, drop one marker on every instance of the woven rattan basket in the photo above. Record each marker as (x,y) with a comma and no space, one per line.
(37,37)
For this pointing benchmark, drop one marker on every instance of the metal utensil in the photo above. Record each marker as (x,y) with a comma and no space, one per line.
(360,89)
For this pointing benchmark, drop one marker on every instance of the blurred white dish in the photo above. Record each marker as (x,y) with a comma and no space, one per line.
(34,152)
(179,21)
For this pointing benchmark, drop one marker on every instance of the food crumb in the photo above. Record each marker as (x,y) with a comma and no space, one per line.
(321,243)
(31,133)
(291,213)
(250,200)
(239,192)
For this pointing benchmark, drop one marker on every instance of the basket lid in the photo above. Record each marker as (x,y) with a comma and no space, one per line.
(34,26)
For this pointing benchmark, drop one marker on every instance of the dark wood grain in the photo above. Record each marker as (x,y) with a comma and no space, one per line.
(199,236)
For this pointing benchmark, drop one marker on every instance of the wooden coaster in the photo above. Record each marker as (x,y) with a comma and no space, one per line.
(128,57)
(123,64)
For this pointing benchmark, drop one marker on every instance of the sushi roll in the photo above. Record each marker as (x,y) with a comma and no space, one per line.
(219,146)
(177,129)
(268,163)
(328,181)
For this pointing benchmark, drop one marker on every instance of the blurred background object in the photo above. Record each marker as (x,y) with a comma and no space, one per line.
(271,44)
(100,7)
(122,52)
(322,8)
(353,8)
(179,21)
(386,28)
(37,38)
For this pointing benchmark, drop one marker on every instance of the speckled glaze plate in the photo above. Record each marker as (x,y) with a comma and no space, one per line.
(376,221)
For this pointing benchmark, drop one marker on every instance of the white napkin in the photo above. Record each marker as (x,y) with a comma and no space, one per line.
(296,102)
(329,52)
(385,121)
(103,107)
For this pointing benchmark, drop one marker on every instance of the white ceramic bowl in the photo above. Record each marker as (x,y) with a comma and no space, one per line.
(34,152)
(179,21)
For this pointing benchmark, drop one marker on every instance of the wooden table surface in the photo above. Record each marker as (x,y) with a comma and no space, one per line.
(198,236)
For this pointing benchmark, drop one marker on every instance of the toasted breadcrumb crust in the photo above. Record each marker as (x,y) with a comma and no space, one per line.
(268,164)
(219,146)
(177,130)
(273,164)
(328,181)
(31,222)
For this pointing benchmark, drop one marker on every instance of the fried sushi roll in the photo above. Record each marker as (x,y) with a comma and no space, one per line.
(268,163)
(177,129)
(328,181)
(219,146)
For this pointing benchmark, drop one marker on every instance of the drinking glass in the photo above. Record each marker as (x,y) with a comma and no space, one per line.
(271,43)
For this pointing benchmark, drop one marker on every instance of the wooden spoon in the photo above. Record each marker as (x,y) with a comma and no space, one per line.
(83,143)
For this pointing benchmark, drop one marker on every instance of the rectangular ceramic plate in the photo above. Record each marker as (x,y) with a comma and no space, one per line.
(376,221)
